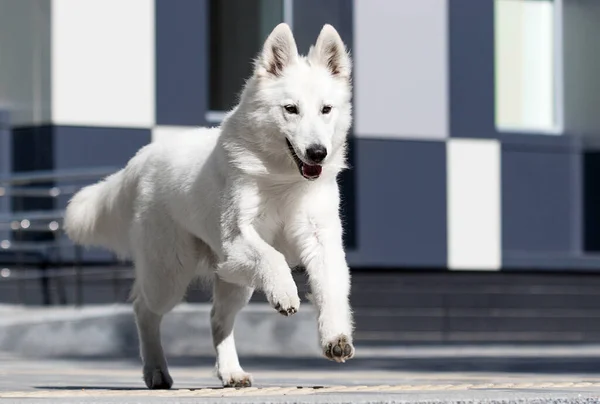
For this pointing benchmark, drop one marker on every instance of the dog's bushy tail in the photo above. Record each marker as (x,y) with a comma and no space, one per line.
(101,214)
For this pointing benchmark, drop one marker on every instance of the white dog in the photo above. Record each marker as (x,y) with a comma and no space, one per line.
(240,204)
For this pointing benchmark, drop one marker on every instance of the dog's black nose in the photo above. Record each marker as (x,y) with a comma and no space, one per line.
(316,153)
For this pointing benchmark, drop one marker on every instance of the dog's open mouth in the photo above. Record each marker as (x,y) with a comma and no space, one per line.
(308,171)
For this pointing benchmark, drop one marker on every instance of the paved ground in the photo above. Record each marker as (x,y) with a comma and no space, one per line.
(400,375)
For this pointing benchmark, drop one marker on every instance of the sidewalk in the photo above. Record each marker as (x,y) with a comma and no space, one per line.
(68,355)
(399,378)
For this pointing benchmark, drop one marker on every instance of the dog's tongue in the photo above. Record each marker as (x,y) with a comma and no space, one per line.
(311,171)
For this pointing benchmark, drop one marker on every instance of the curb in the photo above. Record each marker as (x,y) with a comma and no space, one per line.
(109,330)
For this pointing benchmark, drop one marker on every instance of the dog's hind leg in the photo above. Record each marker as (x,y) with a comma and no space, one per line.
(156,372)
(164,269)
(228,300)
(149,310)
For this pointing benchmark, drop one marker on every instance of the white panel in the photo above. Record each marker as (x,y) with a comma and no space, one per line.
(538,61)
(525,65)
(103,62)
(508,61)
(474,207)
(25,60)
(168,133)
(401,68)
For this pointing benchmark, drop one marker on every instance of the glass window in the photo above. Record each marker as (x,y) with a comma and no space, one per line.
(238,29)
(527,65)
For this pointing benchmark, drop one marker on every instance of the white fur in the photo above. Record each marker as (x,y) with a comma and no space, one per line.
(230,204)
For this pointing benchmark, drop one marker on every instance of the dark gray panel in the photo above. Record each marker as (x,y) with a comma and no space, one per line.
(401,204)
(471,26)
(541,209)
(525,171)
(32,148)
(559,262)
(311,15)
(88,147)
(540,142)
(31,151)
(347,181)
(181,62)
(591,166)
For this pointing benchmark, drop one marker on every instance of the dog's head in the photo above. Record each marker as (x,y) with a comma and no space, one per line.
(302,104)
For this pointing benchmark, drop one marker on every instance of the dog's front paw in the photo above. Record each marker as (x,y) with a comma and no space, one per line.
(339,349)
(236,379)
(285,300)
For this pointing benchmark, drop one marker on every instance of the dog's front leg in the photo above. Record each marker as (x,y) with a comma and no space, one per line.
(321,251)
(254,263)
(249,260)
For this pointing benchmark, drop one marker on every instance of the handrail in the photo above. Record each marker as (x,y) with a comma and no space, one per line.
(27,227)
(44,184)
(33,215)
(39,192)
(34,245)
(31,177)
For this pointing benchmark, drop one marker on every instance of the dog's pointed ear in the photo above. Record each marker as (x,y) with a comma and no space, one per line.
(330,51)
(279,51)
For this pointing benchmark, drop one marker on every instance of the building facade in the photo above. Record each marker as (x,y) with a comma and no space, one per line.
(473,146)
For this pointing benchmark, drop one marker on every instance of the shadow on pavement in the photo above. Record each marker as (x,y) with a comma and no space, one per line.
(460,363)
(91,388)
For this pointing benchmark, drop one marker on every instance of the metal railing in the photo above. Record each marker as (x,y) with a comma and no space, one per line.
(33,177)
(46,255)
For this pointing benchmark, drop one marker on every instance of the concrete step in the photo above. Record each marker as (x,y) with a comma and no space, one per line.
(109,331)
(411,307)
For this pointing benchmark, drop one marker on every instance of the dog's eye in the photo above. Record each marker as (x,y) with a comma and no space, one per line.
(326,109)
(291,109)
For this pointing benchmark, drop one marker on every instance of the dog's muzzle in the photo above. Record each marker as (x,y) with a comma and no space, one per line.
(308,171)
